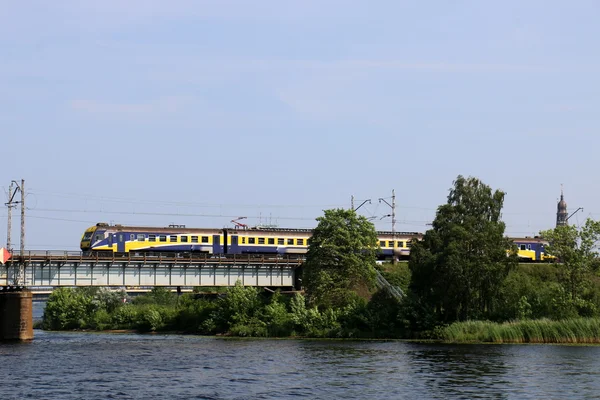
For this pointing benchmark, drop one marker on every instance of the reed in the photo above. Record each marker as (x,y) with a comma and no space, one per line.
(577,330)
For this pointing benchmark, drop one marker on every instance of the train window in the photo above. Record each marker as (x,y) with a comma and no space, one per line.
(382,243)
(162,238)
(261,240)
(391,244)
(271,240)
(184,239)
(291,242)
(280,241)
(251,240)
(243,240)
(523,247)
(400,244)
(194,239)
(152,238)
(132,237)
(173,238)
(300,242)
(141,237)
(408,244)
(528,247)
(204,239)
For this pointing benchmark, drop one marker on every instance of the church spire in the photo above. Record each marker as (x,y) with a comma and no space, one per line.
(561,212)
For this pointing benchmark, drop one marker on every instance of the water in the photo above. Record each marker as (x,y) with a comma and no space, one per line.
(131,366)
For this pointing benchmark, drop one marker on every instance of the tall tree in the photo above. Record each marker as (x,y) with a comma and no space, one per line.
(577,252)
(458,267)
(341,258)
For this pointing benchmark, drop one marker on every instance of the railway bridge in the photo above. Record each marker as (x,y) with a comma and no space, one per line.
(46,270)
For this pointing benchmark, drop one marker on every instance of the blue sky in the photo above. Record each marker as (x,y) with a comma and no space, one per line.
(193,112)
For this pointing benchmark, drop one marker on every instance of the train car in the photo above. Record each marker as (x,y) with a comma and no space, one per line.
(532,249)
(174,238)
(396,244)
(179,239)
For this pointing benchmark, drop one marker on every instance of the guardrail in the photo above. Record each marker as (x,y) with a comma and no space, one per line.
(78,256)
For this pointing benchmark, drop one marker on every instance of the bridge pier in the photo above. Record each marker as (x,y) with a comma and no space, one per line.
(16,314)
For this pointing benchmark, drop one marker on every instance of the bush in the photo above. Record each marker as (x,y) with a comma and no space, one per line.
(237,307)
(278,321)
(193,313)
(68,309)
(125,317)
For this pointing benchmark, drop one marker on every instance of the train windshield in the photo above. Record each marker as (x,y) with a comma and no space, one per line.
(87,236)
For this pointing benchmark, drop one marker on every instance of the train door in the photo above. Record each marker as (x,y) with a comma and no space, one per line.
(121,242)
(234,248)
(110,241)
(217,248)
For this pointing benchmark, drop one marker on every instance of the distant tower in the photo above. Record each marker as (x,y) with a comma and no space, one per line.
(561,212)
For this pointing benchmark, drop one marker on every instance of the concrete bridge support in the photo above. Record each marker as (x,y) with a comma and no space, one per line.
(16,318)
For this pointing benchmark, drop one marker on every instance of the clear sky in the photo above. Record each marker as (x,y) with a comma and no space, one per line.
(196,112)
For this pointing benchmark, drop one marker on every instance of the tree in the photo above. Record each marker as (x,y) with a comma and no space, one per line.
(459,266)
(340,259)
(577,252)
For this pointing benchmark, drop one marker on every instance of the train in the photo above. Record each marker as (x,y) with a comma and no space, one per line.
(177,239)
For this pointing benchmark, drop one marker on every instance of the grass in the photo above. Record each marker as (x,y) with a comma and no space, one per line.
(577,330)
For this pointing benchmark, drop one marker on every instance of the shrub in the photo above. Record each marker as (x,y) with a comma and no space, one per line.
(67,309)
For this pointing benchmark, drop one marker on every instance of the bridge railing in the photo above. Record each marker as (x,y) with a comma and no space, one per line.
(58,255)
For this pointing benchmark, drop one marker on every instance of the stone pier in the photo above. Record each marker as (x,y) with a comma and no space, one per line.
(16,314)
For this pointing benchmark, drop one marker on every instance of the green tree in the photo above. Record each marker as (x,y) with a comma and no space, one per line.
(459,266)
(577,252)
(341,258)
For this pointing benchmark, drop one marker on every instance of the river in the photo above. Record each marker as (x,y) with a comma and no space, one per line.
(59,365)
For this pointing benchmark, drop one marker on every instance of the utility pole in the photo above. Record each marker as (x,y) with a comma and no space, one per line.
(10,205)
(22,218)
(393,215)
(352,202)
(9,216)
(19,277)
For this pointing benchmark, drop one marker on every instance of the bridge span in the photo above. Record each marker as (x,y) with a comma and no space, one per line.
(51,269)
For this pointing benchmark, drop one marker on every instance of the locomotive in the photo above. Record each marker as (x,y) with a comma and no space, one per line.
(177,239)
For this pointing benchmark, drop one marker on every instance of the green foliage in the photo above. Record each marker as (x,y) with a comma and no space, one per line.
(125,317)
(278,320)
(397,274)
(341,258)
(68,309)
(575,330)
(159,296)
(576,251)
(237,307)
(108,300)
(194,314)
(459,267)
(100,320)
(384,312)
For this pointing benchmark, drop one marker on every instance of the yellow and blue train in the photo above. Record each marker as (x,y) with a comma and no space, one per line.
(178,239)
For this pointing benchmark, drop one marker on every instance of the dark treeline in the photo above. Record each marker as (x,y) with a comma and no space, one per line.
(461,284)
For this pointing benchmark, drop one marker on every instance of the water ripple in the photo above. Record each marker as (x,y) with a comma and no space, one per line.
(130,366)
